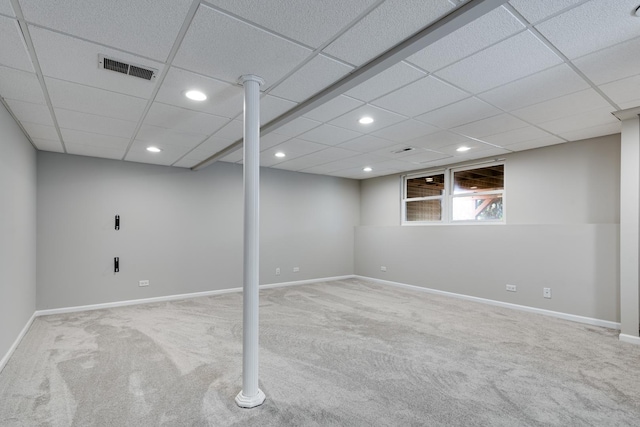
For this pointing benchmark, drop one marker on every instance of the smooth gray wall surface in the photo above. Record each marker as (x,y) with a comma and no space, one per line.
(181,230)
(561,231)
(17,231)
(571,183)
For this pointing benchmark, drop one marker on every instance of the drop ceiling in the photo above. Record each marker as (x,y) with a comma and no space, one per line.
(527,74)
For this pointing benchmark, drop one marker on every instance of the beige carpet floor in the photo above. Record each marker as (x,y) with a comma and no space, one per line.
(345,353)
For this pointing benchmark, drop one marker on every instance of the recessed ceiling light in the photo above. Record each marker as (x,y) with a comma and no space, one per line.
(429,179)
(195,95)
(365,120)
(367,169)
(154,149)
(280,154)
(461,149)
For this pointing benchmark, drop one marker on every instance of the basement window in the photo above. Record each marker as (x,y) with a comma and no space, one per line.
(471,194)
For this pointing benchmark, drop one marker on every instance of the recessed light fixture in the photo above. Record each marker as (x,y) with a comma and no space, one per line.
(195,95)
(463,149)
(474,187)
(365,120)
(429,179)
(154,149)
(367,169)
(280,154)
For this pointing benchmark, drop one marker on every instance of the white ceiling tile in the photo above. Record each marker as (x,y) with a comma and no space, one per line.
(142,27)
(381,119)
(577,122)
(5,8)
(592,131)
(84,67)
(535,143)
(28,112)
(308,21)
(459,113)
(40,131)
(234,157)
(71,96)
(48,145)
(91,151)
(395,164)
(20,85)
(164,138)
(535,11)
(223,99)
(233,130)
(180,119)
(421,96)
(484,31)
(96,124)
(490,126)
(366,143)
(293,148)
(547,84)
(297,126)
(239,49)
(423,156)
(581,30)
(598,65)
(400,151)
(567,105)
(168,155)
(333,108)
(509,60)
(272,106)
(387,81)
(477,151)
(625,92)
(315,159)
(387,25)
(352,162)
(314,76)
(107,142)
(272,139)
(438,140)
(405,131)
(529,133)
(329,135)
(13,50)
(210,147)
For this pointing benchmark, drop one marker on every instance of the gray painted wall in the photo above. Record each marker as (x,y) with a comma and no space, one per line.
(562,232)
(181,230)
(17,231)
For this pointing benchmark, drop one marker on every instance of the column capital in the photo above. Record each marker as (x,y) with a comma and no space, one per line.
(250,78)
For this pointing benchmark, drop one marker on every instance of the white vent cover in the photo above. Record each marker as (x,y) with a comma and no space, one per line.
(403,150)
(124,68)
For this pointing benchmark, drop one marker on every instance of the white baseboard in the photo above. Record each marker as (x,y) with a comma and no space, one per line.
(178,296)
(629,339)
(560,315)
(13,347)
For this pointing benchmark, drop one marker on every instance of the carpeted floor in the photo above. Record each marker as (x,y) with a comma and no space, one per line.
(346,353)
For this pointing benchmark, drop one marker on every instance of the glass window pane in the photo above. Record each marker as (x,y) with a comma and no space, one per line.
(478,208)
(424,210)
(481,179)
(425,186)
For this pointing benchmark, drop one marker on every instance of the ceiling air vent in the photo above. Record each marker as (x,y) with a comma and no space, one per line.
(403,150)
(124,68)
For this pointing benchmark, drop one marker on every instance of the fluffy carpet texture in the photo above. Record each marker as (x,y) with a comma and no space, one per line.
(344,353)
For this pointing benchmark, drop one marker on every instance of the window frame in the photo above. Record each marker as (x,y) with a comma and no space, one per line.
(447,197)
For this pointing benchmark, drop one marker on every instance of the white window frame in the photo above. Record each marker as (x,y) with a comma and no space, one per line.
(448,196)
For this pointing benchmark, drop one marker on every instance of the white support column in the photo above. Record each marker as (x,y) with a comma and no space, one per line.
(251,396)
(629,225)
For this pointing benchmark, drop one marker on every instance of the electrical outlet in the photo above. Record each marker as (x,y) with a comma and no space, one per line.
(511,288)
(143,283)
(546,292)
(278,271)
(383,268)
(296,269)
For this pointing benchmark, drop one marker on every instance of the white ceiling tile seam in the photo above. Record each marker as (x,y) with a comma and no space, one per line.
(36,65)
(435,31)
(564,58)
(167,65)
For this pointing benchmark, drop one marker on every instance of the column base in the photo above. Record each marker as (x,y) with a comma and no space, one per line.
(250,402)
